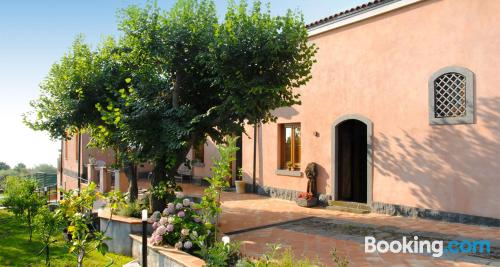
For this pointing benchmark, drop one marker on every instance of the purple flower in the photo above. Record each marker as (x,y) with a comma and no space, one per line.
(165,212)
(155,225)
(197,219)
(170,205)
(181,214)
(186,202)
(155,239)
(188,245)
(170,210)
(170,227)
(178,206)
(161,230)
(163,221)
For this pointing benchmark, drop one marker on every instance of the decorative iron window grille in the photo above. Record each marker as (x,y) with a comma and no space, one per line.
(451,96)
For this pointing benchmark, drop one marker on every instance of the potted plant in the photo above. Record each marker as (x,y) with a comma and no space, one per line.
(309,199)
(239,183)
(306,200)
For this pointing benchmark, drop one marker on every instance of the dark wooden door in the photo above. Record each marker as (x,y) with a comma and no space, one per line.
(351,161)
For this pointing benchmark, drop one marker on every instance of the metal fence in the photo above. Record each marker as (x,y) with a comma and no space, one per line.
(46,179)
(47,183)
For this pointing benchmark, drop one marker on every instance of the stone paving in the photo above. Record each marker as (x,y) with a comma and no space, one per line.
(313,232)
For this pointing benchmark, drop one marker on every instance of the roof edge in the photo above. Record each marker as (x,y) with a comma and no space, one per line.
(357,15)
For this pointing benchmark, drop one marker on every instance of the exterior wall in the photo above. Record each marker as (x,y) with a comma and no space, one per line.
(379,68)
(210,151)
(70,163)
(119,229)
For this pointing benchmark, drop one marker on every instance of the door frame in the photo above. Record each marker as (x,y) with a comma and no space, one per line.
(369,155)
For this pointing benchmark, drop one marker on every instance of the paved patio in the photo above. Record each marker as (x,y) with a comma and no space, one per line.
(314,232)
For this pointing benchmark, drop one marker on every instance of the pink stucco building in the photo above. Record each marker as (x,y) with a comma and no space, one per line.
(79,160)
(402,112)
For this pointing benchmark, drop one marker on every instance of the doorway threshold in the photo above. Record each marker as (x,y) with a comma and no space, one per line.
(347,206)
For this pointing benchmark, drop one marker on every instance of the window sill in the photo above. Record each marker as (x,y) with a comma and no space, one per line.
(289,173)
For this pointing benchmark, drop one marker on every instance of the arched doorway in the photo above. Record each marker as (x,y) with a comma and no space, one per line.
(351,154)
(351,161)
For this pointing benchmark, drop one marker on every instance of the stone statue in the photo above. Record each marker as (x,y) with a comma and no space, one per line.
(311,174)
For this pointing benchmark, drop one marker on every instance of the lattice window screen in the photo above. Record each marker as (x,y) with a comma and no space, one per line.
(450,95)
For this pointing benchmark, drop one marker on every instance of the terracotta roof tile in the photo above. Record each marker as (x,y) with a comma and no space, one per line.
(350,12)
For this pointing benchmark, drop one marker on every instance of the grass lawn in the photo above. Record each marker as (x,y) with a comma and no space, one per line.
(16,250)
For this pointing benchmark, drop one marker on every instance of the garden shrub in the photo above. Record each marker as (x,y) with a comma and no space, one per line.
(22,199)
(133,209)
(276,257)
(76,207)
(221,171)
(180,225)
(165,191)
(220,253)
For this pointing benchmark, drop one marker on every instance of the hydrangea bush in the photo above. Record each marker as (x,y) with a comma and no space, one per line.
(179,225)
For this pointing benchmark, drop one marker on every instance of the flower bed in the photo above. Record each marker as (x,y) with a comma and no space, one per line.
(164,256)
(179,225)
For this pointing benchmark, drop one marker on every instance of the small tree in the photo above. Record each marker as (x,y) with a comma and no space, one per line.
(4,166)
(20,167)
(47,225)
(77,210)
(210,203)
(22,199)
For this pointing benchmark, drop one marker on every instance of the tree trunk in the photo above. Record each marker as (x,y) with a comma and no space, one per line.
(80,257)
(180,158)
(47,253)
(159,174)
(29,224)
(133,190)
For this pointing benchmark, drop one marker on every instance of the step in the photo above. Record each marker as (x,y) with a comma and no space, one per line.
(352,207)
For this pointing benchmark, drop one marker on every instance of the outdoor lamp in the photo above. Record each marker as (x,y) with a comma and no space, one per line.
(144,238)
(226,240)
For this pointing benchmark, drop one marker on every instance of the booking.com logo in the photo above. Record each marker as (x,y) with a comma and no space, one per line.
(436,247)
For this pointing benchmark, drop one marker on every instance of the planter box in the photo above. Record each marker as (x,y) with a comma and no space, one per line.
(240,187)
(307,203)
(119,230)
(164,256)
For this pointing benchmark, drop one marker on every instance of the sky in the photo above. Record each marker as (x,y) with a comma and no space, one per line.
(34,34)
